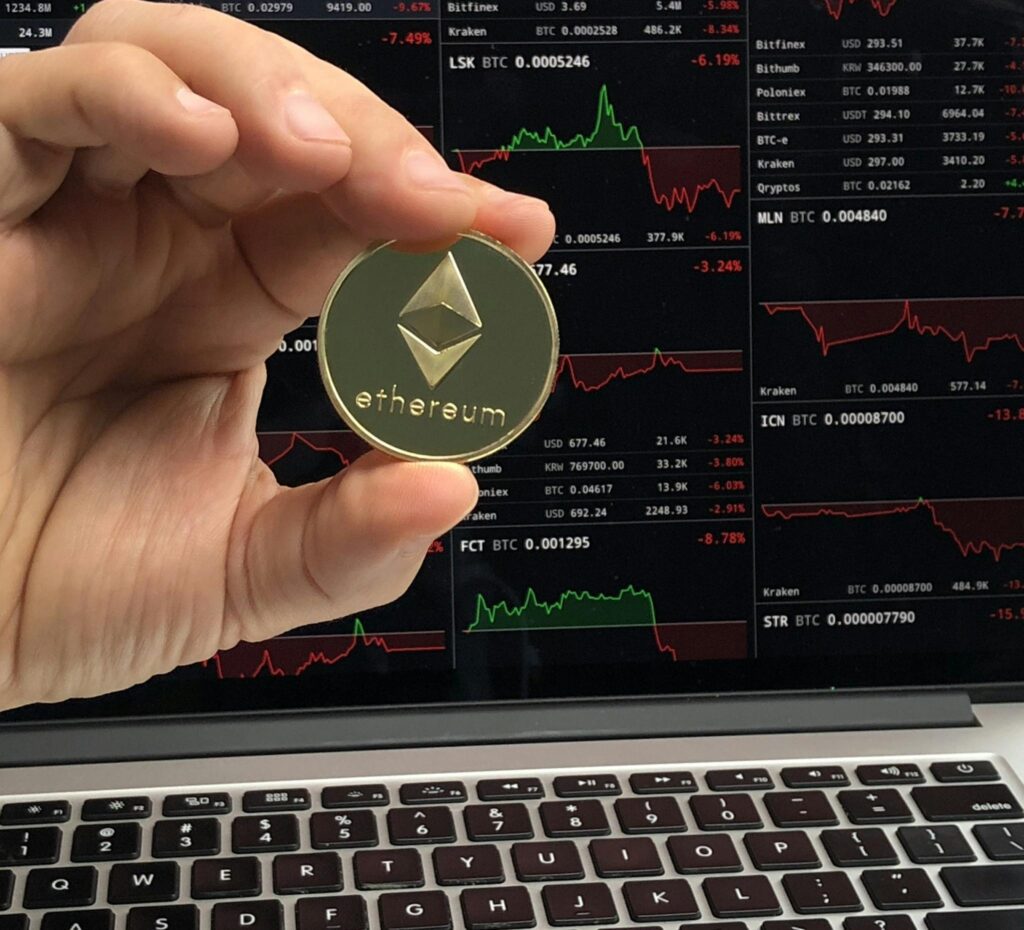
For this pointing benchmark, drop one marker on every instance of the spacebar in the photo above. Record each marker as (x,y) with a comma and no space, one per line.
(976,920)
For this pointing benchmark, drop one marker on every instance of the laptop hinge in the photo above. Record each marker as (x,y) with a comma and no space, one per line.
(389,728)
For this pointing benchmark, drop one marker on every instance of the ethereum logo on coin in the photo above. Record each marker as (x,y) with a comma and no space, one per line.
(440,323)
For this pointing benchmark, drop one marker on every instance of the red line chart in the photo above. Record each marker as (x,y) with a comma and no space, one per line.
(344,444)
(836,8)
(291,656)
(677,176)
(975,323)
(992,525)
(592,372)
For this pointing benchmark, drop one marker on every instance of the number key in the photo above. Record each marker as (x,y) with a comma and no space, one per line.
(99,843)
(343,830)
(650,815)
(725,812)
(199,837)
(410,825)
(498,822)
(273,833)
(34,846)
(574,818)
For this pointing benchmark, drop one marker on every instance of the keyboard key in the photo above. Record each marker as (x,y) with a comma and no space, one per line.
(6,889)
(509,789)
(854,848)
(175,917)
(730,812)
(143,882)
(800,809)
(13,922)
(276,800)
(96,843)
(1001,841)
(413,825)
(978,920)
(414,910)
(79,920)
(650,815)
(579,905)
(135,807)
(345,912)
(663,782)
(821,893)
(574,818)
(226,878)
(34,846)
(248,915)
(796,925)
(497,908)
(893,774)
(667,899)
(717,925)
(433,792)
(884,805)
(769,851)
(342,796)
(742,896)
(931,845)
(968,770)
(703,854)
(985,885)
(738,779)
(885,922)
(34,812)
(819,776)
(546,862)
(388,868)
(344,830)
(307,873)
(273,833)
(497,822)
(625,858)
(468,865)
(194,805)
(903,890)
(967,802)
(586,786)
(179,838)
(51,888)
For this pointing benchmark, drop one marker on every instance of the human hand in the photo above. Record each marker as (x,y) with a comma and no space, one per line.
(178,189)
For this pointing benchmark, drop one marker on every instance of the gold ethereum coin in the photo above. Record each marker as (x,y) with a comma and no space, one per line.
(439,356)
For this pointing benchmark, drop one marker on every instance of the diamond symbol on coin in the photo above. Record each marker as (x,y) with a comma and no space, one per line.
(440,323)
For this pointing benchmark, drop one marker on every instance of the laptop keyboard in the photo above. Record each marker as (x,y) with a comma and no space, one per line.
(890,846)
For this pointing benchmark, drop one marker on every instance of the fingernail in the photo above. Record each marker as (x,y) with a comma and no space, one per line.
(415,548)
(425,169)
(195,104)
(307,119)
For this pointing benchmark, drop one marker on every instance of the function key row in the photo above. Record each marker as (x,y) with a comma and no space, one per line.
(278,800)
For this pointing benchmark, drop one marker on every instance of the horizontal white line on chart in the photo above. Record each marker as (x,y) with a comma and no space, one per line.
(897,501)
(475,526)
(890,195)
(888,599)
(891,398)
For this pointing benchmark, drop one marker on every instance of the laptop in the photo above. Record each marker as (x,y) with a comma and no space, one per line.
(734,637)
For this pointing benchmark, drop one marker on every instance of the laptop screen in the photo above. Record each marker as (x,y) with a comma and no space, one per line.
(783,448)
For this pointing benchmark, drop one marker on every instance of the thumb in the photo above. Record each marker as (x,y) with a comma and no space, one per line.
(341,545)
